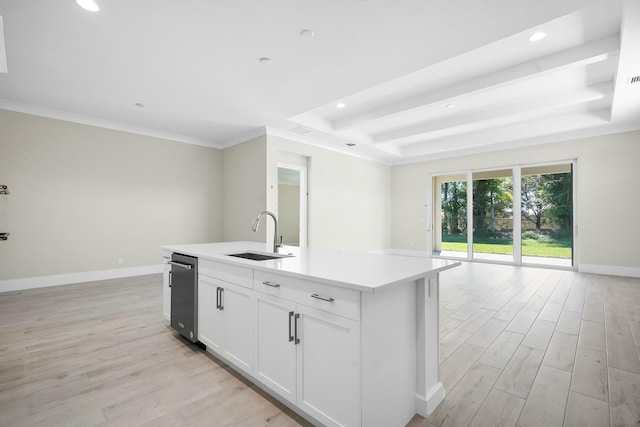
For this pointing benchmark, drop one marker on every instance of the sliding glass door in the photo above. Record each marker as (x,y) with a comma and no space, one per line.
(451,220)
(493,215)
(518,215)
(547,215)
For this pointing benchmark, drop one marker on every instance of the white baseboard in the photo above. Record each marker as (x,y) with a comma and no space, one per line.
(611,270)
(69,278)
(426,405)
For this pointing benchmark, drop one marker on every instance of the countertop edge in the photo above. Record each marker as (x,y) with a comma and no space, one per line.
(342,284)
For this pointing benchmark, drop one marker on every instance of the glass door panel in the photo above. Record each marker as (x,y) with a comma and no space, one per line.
(493,215)
(450,217)
(547,215)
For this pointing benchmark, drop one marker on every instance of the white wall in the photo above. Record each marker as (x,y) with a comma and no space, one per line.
(349,197)
(607,196)
(244,182)
(82,197)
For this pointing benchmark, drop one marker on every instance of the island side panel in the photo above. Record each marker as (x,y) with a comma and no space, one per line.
(430,391)
(388,329)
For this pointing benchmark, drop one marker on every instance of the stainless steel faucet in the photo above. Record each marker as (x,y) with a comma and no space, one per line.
(256,224)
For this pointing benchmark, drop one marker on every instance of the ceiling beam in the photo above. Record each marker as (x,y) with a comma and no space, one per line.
(626,101)
(505,134)
(522,109)
(579,56)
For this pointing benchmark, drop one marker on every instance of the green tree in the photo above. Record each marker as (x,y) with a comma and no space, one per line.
(454,204)
(548,196)
(491,200)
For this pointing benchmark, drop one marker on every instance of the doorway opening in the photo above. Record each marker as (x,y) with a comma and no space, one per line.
(292,204)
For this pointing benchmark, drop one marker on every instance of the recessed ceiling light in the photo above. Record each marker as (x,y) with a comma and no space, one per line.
(340,105)
(139,105)
(537,36)
(265,61)
(88,5)
(307,33)
(450,106)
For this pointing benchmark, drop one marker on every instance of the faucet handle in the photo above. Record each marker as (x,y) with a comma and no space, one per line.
(280,244)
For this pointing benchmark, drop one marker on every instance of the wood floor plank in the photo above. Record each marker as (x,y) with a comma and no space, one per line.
(569,322)
(498,409)
(622,353)
(466,398)
(484,336)
(561,352)
(590,374)
(625,397)
(539,334)
(592,336)
(520,372)
(585,411)
(502,349)
(546,403)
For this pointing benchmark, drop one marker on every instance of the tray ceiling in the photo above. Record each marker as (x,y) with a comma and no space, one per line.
(418,80)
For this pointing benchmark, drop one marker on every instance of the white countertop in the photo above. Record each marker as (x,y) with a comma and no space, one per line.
(356,270)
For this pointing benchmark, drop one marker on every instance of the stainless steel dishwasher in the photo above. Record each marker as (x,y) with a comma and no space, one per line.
(184,295)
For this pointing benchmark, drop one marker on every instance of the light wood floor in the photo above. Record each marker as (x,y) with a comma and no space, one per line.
(100,354)
(519,346)
(535,347)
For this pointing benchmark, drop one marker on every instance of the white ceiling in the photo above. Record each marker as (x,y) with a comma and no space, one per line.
(396,64)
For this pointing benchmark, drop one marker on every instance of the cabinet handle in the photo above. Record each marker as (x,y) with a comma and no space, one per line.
(290,317)
(170,276)
(273,285)
(221,307)
(219,292)
(181,265)
(327,299)
(295,327)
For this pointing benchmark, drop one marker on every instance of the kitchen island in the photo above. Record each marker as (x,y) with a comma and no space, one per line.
(343,338)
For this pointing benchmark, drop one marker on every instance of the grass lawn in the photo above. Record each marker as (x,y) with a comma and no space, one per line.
(554,248)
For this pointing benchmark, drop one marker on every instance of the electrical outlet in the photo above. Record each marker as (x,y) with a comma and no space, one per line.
(120,260)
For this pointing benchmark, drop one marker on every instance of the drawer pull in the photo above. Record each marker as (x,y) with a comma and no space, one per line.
(316,296)
(291,337)
(273,285)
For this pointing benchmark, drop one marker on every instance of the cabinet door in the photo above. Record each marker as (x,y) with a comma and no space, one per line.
(276,349)
(166,289)
(210,318)
(328,371)
(238,306)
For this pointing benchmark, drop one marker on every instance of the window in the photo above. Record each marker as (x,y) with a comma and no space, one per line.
(519,215)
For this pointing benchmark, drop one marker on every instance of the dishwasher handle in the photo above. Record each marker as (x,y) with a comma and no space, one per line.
(180,264)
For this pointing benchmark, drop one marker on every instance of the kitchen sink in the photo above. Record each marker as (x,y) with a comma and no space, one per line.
(259,256)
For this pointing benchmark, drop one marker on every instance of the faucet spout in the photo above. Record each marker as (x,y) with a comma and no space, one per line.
(256,225)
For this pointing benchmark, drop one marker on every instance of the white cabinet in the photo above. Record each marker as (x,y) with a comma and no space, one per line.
(226,314)
(328,371)
(307,355)
(166,285)
(276,349)
(210,317)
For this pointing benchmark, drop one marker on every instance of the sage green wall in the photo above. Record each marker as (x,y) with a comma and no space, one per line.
(82,197)
(244,183)
(607,194)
